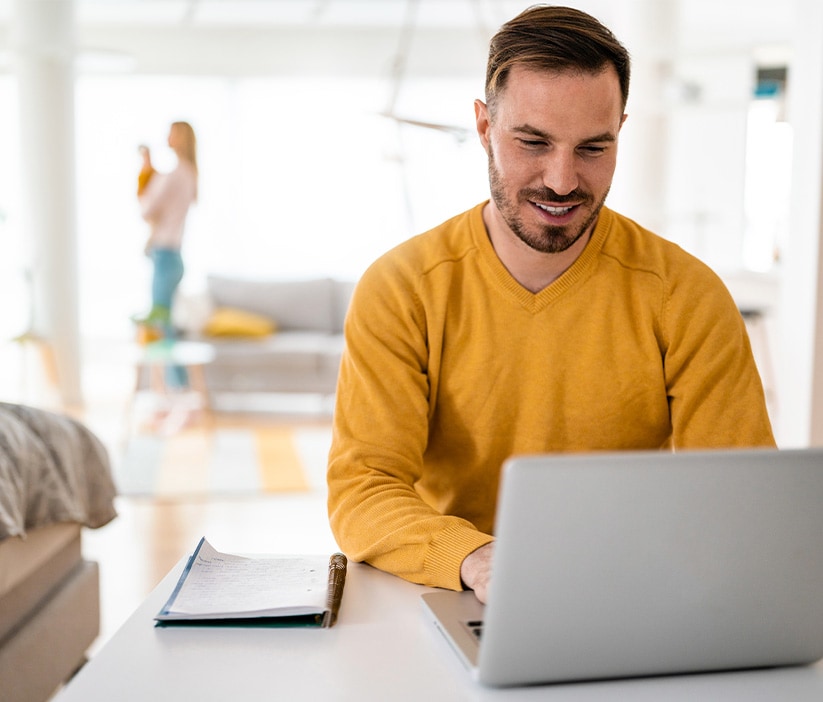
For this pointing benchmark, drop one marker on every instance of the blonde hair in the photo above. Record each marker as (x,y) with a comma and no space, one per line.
(186,146)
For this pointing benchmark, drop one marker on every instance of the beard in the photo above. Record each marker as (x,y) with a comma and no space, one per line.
(546,238)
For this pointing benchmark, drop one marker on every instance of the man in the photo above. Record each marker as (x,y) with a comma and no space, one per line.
(540,321)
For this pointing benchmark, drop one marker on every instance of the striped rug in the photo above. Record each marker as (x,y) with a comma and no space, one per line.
(224,461)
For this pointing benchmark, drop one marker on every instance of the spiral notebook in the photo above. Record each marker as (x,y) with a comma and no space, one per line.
(633,564)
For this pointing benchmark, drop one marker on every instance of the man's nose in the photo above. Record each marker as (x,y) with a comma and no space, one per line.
(560,172)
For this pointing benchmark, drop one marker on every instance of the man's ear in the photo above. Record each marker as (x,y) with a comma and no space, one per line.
(483,122)
(623,119)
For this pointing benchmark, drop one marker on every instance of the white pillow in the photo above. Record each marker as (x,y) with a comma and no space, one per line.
(191,310)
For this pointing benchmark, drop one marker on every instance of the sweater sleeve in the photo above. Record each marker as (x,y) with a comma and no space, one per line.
(380,436)
(715,392)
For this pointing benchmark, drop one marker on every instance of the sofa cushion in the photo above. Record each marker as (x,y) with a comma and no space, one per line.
(230,321)
(292,348)
(285,362)
(298,305)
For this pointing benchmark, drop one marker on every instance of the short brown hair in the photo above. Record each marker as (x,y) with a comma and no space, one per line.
(554,38)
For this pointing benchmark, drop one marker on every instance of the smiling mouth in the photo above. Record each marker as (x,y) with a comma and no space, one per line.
(555,211)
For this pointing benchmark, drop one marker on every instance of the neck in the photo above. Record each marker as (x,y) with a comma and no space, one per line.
(534,270)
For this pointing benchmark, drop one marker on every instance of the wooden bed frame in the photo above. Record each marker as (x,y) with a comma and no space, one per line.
(49,615)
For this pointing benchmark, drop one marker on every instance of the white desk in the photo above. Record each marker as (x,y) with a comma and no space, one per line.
(382,648)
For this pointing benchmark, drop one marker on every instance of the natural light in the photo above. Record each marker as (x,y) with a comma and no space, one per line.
(299,178)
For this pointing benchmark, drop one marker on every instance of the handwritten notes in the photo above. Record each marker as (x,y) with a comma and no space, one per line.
(217,585)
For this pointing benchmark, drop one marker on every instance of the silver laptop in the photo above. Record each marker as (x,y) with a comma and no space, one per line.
(633,564)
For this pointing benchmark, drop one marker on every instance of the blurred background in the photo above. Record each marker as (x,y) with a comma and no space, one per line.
(331,130)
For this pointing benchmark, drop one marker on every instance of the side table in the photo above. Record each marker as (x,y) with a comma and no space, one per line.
(158,357)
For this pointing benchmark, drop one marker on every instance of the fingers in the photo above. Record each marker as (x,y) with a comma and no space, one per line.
(476,570)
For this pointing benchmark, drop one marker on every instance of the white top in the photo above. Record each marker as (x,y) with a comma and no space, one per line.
(165,203)
(383,647)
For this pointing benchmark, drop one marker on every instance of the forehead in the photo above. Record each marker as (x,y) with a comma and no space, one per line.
(543,98)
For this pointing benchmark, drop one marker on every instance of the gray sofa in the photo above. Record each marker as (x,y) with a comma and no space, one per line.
(301,356)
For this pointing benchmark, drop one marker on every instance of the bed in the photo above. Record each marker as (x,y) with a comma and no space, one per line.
(55,479)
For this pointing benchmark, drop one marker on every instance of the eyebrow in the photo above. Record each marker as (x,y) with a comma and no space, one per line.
(534,131)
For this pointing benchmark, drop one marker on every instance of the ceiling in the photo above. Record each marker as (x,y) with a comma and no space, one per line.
(294,13)
(365,37)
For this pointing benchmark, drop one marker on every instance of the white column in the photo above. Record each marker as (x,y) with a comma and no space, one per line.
(800,341)
(43,35)
(647,28)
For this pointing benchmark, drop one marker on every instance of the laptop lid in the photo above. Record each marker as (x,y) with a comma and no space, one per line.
(616,565)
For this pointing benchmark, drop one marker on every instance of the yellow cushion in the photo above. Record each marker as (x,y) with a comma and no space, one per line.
(229,321)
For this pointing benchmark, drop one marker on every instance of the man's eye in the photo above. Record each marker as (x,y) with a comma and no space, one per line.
(593,150)
(532,142)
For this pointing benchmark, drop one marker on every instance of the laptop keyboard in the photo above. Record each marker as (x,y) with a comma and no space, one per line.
(475,626)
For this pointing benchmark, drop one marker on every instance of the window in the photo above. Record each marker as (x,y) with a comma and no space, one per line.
(768,171)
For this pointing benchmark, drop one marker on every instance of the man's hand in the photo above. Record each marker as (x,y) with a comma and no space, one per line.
(476,570)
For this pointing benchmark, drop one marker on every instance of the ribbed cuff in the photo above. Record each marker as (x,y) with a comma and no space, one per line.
(447,551)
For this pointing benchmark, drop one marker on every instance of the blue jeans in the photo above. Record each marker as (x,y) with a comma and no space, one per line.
(168,272)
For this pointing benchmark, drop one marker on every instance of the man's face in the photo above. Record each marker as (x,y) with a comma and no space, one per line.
(552,148)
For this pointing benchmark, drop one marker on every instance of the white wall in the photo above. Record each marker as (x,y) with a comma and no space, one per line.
(800,355)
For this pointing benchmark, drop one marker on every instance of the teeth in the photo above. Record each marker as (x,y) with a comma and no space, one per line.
(554,210)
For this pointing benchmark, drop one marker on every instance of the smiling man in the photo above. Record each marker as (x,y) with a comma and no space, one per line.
(549,177)
(539,321)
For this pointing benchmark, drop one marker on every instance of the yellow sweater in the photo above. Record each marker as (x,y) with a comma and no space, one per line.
(451,367)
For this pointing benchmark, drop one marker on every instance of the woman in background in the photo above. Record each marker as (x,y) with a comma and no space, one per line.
(165,199)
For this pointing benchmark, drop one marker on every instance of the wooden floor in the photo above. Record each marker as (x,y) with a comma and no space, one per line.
(149,537)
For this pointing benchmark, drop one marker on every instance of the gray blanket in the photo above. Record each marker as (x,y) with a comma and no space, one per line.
(52,469)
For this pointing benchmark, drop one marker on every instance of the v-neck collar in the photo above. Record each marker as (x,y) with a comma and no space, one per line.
(580,269)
